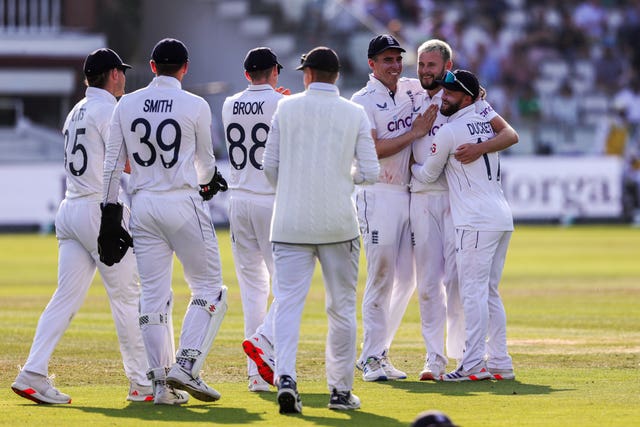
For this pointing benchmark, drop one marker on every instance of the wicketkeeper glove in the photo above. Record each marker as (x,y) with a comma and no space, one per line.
(113,238)
(217,183)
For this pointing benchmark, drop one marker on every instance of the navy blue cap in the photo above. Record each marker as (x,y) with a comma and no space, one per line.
(101,60)
(170,51)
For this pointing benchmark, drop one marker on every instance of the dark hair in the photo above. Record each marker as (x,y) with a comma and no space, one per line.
(99,80)
(168,69)
(260,74)
(322,76)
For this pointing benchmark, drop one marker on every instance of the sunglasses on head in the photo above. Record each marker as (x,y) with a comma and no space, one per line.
(449,77)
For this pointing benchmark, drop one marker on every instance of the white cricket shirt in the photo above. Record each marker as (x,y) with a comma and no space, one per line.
(165,132)
(422,146)
(392,116)
(86,131)
(475,192)
(246,117)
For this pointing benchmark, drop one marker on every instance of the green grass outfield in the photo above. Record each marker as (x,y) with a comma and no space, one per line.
(572,297)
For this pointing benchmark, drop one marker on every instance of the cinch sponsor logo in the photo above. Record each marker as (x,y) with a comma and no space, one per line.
(486,111)
(434,130)
(398,124)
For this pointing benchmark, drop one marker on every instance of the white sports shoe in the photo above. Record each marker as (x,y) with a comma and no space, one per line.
(181,379)
(477,373)
(167,395)
(261,351)
(392,372)
(502,374)
(140,393)
(372,370)
(257,384)
(431,373)
(38,388)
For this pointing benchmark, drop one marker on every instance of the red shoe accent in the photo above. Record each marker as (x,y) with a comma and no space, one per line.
(29,394)
(475,378)
(254,354)
(428,376)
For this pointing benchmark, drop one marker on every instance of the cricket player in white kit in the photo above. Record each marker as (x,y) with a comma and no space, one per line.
(165,133)
(430,214)
(85,131)
(483,225)
(392,104)
(246,117)
(316,139)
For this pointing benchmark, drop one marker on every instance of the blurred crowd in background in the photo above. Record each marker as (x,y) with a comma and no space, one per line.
(565,73)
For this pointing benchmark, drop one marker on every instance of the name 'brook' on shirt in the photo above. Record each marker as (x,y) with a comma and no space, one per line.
(247,107)
(477,128)
(157,105)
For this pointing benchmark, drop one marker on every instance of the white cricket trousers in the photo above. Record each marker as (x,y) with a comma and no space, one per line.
(383,214)
(437,277)
(164,223)
(294,265)
(480,257)
(77,225)
(250,224)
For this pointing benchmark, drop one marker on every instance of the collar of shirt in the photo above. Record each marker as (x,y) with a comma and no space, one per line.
(469,109)
(166,81)
(377,84)
(437,95)
(96,92)
(324,87)
(260,87)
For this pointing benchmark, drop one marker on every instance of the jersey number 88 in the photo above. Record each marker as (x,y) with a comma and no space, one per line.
(238,144)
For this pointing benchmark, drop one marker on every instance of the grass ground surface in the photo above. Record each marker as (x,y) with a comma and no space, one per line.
(572,297)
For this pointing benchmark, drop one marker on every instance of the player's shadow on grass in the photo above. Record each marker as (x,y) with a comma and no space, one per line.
(320,401)
(206,412)
(470,388)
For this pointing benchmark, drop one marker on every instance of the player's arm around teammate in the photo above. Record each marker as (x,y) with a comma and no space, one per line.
(506,136)
(483,225)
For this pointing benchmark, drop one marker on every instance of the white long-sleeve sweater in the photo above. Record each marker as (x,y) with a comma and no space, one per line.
(314,140)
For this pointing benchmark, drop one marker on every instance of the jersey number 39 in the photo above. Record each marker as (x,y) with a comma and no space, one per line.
(173,147)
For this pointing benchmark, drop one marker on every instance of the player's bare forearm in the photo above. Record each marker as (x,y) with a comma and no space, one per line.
(419,128)
(505,137)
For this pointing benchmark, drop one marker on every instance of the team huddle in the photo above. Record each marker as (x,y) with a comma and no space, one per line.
(409,167)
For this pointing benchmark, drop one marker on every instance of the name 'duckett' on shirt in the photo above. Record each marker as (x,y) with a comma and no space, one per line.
(479,128)
(157,105)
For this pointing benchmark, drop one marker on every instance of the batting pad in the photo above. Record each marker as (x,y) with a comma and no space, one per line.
(157,334)
(216,312)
